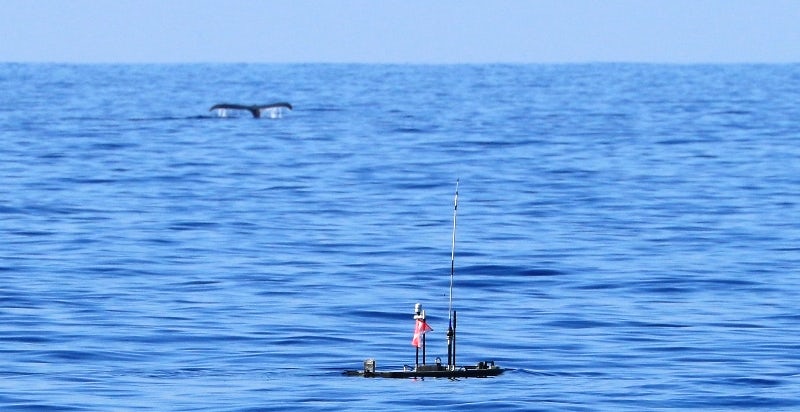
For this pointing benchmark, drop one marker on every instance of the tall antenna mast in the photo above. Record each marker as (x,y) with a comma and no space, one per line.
(453,251)
(451,330)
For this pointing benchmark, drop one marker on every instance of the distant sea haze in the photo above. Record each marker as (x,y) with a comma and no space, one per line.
(627,236)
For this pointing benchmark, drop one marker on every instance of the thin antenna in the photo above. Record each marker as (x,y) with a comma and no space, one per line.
(451,330)
(453,252)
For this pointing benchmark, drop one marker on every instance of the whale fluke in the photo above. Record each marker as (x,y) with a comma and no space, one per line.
(254,109)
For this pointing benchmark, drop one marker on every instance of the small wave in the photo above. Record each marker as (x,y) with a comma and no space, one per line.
(172,118)
(409,130)
(509,271)
(192,225)
(580,324)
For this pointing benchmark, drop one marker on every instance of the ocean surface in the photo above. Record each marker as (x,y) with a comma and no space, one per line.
(627,238)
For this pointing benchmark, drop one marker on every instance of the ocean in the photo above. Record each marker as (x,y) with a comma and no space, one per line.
(627,236)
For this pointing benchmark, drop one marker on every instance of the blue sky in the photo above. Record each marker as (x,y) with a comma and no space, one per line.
(400,31)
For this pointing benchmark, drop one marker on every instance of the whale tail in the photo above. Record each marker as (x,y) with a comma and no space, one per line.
(255,110)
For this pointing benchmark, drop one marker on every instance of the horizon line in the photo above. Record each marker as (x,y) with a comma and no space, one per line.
(410,63)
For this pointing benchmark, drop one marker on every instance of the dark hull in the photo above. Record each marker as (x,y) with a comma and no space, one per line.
(480,371)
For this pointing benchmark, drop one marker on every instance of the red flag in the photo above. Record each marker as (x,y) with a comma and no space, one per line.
(419,330)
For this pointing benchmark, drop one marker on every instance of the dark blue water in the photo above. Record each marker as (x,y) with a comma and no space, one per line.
(627,236)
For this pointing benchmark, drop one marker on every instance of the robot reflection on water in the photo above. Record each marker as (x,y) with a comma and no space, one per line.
(436,370)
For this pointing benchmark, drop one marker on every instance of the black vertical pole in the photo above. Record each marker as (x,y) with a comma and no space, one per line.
(423,348)
(450,345)
(454,339)
(416,360)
